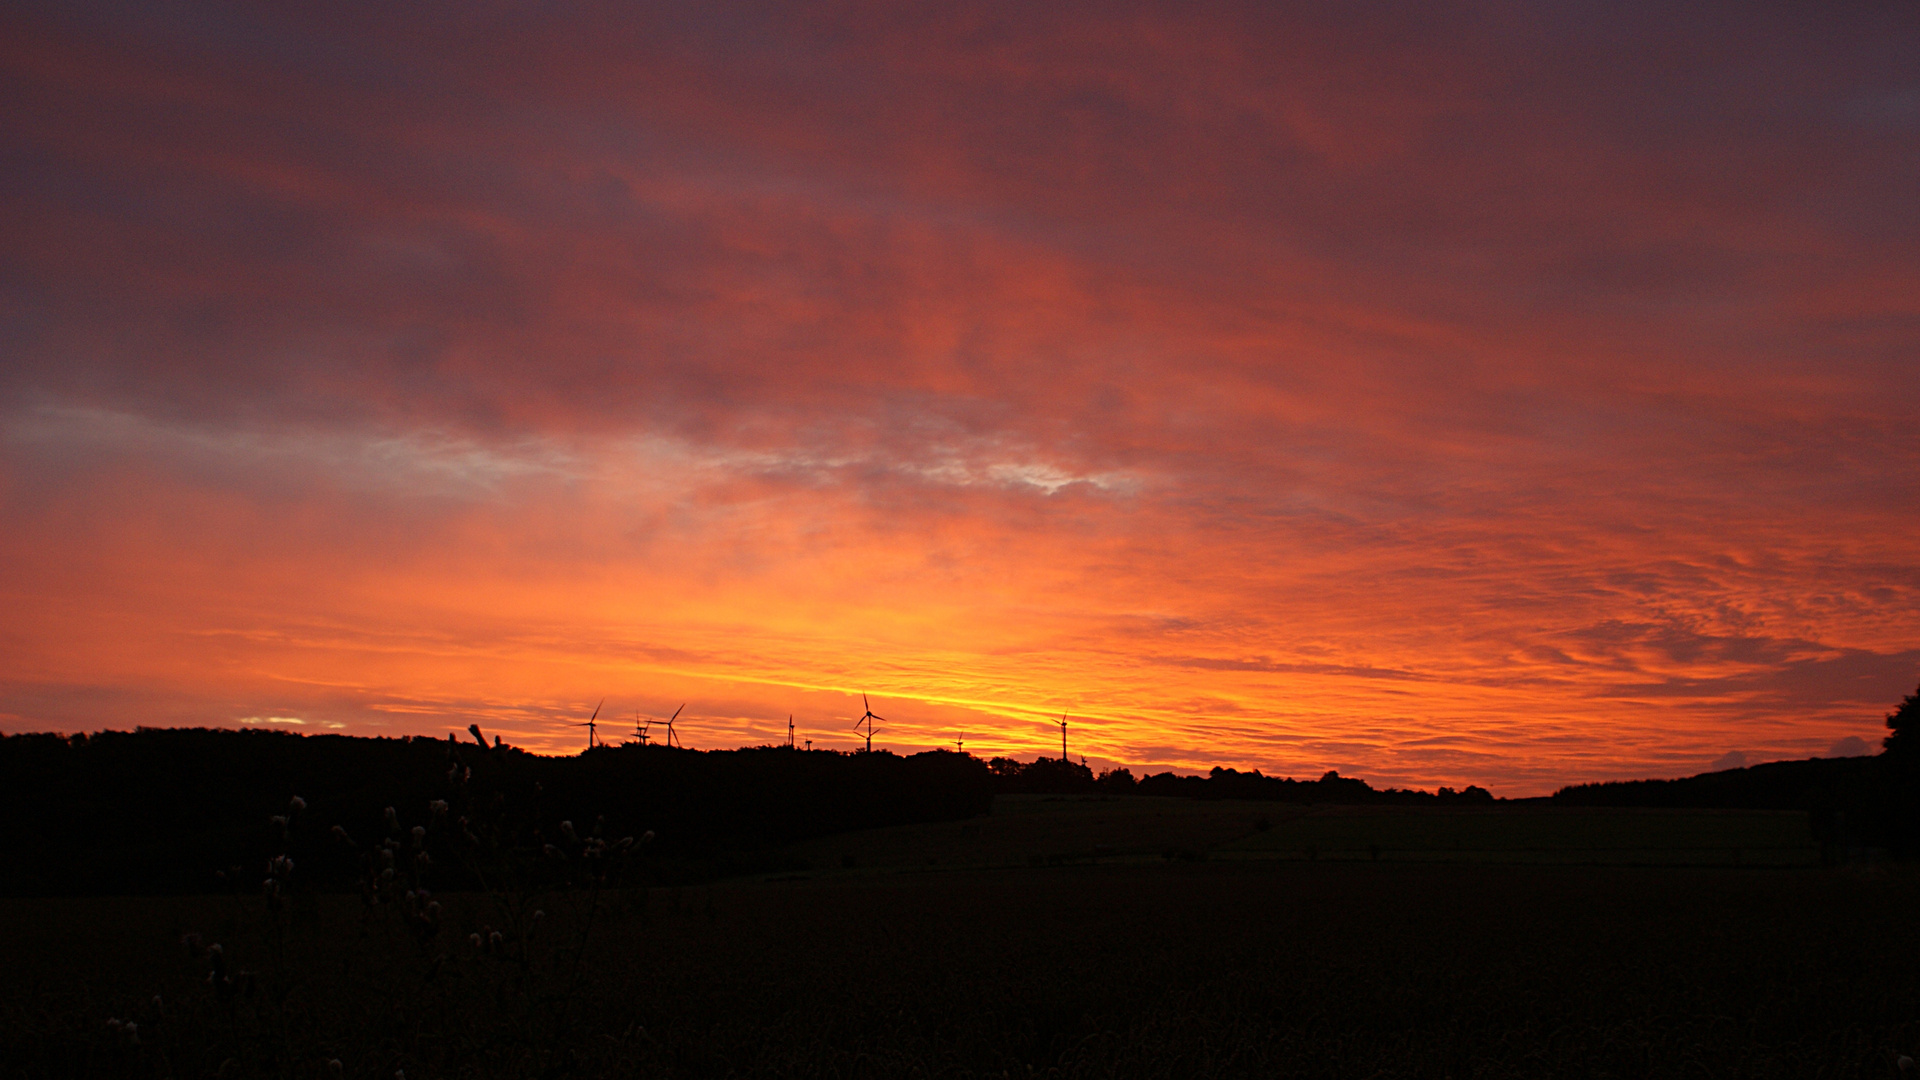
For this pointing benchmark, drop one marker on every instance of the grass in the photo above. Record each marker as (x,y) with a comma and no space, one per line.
(1544,835)
(1135,965)
(1050,830)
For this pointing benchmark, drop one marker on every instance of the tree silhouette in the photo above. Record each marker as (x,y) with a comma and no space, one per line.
(1904,725)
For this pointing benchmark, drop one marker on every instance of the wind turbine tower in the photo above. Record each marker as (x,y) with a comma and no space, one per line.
(590,722)
(868,718)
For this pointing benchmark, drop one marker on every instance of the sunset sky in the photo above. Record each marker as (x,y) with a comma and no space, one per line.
(1499,394)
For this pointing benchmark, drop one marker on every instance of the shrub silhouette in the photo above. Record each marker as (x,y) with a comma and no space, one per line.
(1041,776)
(1903,728)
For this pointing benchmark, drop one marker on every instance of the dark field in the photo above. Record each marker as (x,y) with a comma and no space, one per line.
(1198,964)
(1026,830)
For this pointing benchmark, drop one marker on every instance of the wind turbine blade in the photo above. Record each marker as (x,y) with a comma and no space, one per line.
(864,703)
(882,719)
(676,713)
(596,711)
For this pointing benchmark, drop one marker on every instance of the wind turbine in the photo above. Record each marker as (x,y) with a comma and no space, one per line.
(868,720)
(590,721)
(1063,737)
(671,738)
(640,728)
(960,743)
(789,731)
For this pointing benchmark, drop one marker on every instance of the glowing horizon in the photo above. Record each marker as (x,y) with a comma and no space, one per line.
(1475,395)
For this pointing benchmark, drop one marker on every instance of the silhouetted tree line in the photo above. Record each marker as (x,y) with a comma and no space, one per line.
(1056,776)
(165,810)
(1851,802)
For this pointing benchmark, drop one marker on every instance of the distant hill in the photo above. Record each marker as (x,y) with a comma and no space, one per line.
(164,810)
(1851,801)
(1777,785)
(190,810)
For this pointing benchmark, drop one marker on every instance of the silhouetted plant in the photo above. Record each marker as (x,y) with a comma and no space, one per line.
(1041,776)
(1903,727)
(518,972)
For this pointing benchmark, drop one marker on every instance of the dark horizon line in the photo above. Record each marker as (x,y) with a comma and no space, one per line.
(1331,774)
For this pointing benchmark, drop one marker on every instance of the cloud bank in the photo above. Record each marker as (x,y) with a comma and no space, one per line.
(1476,394)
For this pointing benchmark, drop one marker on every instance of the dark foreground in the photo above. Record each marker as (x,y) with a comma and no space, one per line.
(1174,969)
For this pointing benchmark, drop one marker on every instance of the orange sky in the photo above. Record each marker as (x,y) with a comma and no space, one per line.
(1511,395)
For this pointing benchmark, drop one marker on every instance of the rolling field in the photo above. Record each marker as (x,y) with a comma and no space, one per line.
(1603,837)
(1136,965)
(1026,830)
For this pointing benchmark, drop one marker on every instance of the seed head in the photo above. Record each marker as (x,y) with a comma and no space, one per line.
(298,804)
(438,807)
